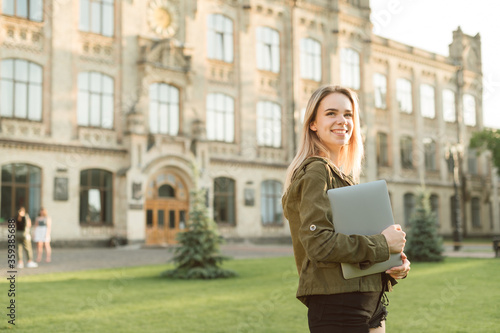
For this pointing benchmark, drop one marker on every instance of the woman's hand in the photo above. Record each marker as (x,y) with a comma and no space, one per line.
(396,238)
(400,272)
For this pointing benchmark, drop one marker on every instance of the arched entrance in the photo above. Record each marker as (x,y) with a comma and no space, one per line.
(167,207)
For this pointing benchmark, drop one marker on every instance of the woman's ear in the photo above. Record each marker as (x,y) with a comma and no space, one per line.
(313,127)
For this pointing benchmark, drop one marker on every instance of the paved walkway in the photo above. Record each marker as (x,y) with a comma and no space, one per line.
(72,259)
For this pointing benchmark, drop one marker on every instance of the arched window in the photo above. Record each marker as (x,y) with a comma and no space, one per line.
(95,100)
(163,109)
(224,201)
(268,49)
(220,38)
(268,124)
(20,188)
(28,9)
(97,16)
(310,59)
(409,207)
(21,89)
(166,191)
(349,68)
(220,117)
(270,202)
(96,196)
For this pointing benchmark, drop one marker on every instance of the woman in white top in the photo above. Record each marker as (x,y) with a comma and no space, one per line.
(42,235)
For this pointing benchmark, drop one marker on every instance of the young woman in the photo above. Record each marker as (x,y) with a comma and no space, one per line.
(329,156)
(23,238)
(43,225)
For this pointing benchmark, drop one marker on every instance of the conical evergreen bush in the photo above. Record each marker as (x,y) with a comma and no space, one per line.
(198,254)
(423,242)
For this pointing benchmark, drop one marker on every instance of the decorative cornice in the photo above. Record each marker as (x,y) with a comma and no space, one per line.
(248,163)
(16,144)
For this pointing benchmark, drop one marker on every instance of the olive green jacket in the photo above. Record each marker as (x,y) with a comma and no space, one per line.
(318,249)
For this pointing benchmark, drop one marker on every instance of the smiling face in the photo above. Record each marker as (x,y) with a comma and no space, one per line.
(334,122)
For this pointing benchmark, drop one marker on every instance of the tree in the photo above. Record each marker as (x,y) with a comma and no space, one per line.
(198,254)
(488,139)
(423,242)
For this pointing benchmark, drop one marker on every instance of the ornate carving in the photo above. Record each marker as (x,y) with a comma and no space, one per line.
(164,53)
(22,128)
(97,48)
(96,137)
(22,34)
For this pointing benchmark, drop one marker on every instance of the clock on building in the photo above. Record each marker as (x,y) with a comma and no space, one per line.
(163,18)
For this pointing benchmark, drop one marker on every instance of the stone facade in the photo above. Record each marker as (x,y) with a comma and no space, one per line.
(166,41)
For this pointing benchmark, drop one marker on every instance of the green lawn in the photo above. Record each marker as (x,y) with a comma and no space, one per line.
(459,295)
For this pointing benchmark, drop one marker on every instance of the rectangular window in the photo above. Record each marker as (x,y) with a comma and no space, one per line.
(382,150)
(430,154)
(97,16)
(310,59)
(380,87)
(476,212)
(404,95)
(350,68)
(268,124)
(469,110)
(268,52)
(220,38)
(427,101)
(28,9)
(449,113)
(406,152)
(472,162)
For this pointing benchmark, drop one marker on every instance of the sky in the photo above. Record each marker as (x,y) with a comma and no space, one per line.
(429,25)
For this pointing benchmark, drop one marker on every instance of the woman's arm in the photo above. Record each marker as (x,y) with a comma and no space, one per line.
(317,233)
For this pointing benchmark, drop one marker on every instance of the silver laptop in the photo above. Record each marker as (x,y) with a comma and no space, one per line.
(363,209)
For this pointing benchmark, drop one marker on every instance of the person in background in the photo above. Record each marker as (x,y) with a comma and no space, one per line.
(43,225)
(329,156)
(23,238)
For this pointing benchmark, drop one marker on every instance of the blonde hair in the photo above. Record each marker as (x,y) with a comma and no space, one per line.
(351,154)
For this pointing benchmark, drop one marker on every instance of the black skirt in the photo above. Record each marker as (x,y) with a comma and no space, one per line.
(348,312)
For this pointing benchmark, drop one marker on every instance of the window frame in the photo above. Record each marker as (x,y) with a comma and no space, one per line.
(32,188)
(168,124)
(350,68)
(31,12)
(406,152)
(430,155)
(427,104)
(105,196)
(102,96)
(27,86)
(270,202)
(380,91)
(269,117)
(230,200)
(220,38)
(449,106)
(470,113)
(220,106)
(382,149)
(404,95)
(87,25)
(310,59)
(268,49)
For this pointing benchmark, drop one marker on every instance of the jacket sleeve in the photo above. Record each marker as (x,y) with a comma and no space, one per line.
(317,234)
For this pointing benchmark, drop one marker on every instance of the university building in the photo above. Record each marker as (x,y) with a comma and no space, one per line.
(108,107)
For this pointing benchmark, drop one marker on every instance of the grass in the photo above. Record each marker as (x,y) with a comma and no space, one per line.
(459,295)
